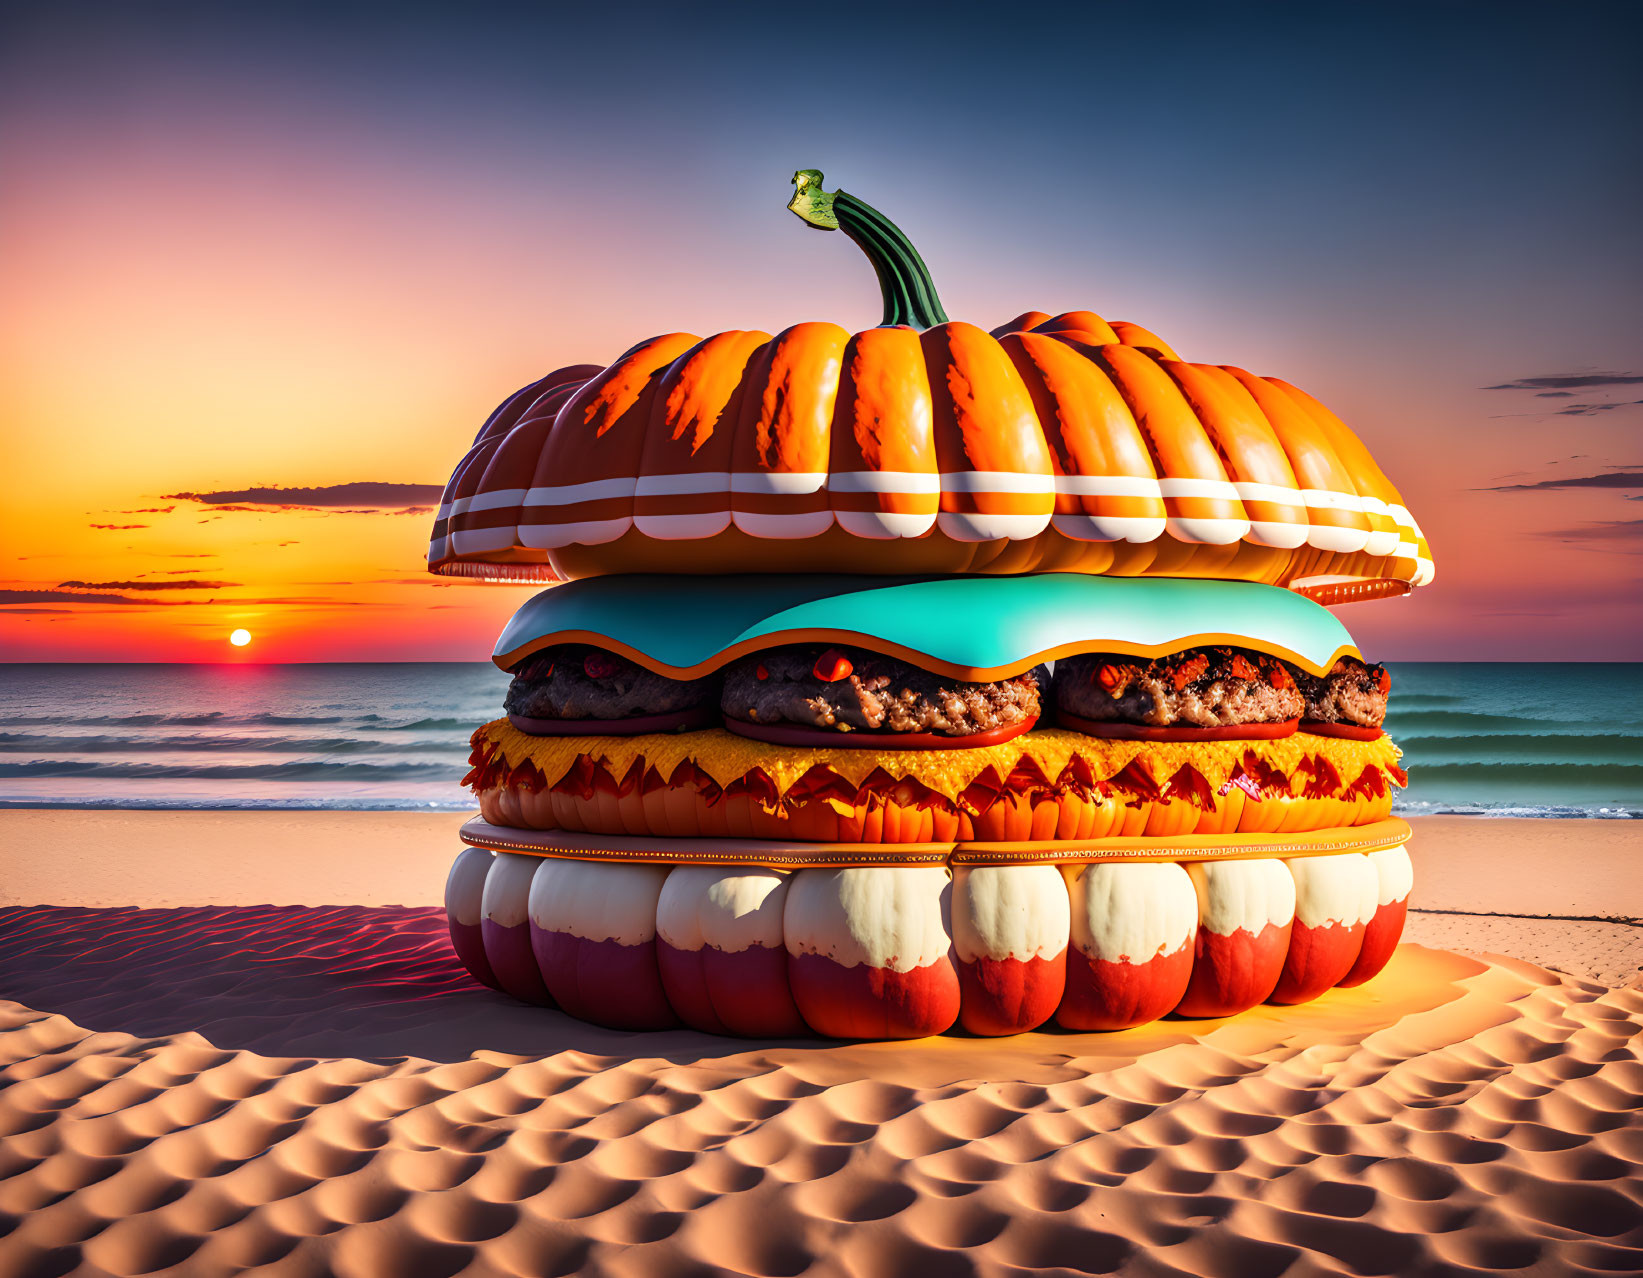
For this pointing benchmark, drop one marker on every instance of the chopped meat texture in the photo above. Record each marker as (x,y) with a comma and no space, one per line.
(851,690)
(572,681)
(1352,692)
(1198,688)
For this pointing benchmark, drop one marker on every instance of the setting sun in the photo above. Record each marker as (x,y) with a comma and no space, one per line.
(240,638)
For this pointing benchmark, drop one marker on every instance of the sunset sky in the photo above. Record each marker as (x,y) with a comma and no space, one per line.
(309,250)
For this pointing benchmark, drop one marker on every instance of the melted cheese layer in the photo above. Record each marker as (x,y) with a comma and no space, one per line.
(724,756)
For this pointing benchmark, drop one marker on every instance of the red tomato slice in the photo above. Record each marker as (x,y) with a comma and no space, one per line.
(1144,732)
(1345,731)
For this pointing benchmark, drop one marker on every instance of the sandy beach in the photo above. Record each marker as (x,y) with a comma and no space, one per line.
(240,1040)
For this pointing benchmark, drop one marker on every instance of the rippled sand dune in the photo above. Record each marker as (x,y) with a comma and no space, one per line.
(211,1089)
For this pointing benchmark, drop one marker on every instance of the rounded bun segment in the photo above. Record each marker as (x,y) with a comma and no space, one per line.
(1059,443)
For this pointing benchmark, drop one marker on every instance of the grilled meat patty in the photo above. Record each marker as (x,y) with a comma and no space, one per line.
(1198,688)
(1351,692)
(573,681)
(851,690)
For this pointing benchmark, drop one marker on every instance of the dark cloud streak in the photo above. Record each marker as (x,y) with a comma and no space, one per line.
(1570,381)
(1607,530)
(1586,410)
(363,497)
(149,585)
(1574,410)
(1616,536)
(1628,478)
(49,595)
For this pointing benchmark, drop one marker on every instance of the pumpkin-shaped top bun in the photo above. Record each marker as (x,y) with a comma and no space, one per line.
(925,446)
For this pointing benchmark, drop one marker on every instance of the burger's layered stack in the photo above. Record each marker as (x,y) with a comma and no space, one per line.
(926,677)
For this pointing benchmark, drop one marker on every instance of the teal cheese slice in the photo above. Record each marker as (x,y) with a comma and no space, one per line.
(969,628)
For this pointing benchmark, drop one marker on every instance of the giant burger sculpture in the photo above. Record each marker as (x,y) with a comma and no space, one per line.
(784,750)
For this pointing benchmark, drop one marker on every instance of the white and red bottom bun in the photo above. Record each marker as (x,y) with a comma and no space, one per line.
(904,951)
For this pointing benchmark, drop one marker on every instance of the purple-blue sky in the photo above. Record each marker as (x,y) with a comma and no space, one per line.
(313,245)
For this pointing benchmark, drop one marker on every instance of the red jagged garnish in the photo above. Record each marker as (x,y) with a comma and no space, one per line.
(1190,670)
(832,666)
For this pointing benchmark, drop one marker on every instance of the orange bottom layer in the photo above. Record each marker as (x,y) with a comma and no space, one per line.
(685,812)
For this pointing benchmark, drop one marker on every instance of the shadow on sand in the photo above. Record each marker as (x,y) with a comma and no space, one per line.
(382,982)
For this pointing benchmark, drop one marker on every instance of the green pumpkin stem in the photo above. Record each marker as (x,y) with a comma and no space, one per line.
(909,292)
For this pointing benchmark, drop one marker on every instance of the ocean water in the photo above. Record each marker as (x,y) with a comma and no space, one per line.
(1505,740)
(1527,739)
(368,736)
